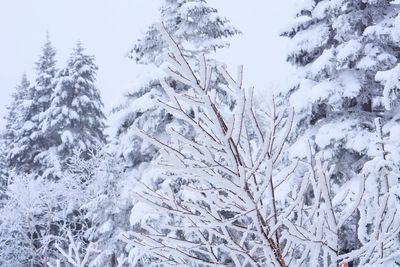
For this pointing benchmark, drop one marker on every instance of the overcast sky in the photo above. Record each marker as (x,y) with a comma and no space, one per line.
(109,28)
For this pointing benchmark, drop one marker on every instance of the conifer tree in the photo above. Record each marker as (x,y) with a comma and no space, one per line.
(74,119)
(45,83)
(14,123)
(24,136)
(19,126)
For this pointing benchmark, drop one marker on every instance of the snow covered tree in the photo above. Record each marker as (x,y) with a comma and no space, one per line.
(74,119)
(197,28)
(378,227)
(339,46)
(15,120)
(340,49)
(73,255)
(29,220)
(20,123)
(235,205)
(45,79)
(45,84)
(24,135)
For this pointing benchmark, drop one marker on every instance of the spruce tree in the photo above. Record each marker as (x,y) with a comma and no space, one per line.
(339,47)
(74,119)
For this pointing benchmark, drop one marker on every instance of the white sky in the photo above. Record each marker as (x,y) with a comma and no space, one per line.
(109,28)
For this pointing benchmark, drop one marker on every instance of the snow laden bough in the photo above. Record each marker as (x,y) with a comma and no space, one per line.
(224,198)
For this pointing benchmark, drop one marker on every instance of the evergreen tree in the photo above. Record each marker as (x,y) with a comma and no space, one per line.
(339,47)
(45,83)
(23,135)
(45,80)
(196,26)
(74,120)
(10,155)
(19,127)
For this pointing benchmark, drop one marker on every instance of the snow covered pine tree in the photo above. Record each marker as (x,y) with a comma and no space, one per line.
(15,120)
(28,141)
(340,49)
(41,126)
(74,120)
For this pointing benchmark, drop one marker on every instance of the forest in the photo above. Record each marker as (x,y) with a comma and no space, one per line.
(194,168)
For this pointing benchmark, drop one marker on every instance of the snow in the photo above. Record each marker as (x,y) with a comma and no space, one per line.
(67,137)
(301,42)
(332,132)
(348,51)
(323,64)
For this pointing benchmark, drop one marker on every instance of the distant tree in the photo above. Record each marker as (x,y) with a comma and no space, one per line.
(15,119)
(340,49)
(20,123)
(74,119)
(45,83)
(23,133)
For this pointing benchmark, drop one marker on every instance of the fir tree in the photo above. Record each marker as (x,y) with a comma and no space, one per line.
(74,120)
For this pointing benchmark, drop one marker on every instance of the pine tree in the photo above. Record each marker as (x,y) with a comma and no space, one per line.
(45,83)
(197,28)
(19,126)
(24,136)
(74,120)
(45,80)
(339,47)
(14,123)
